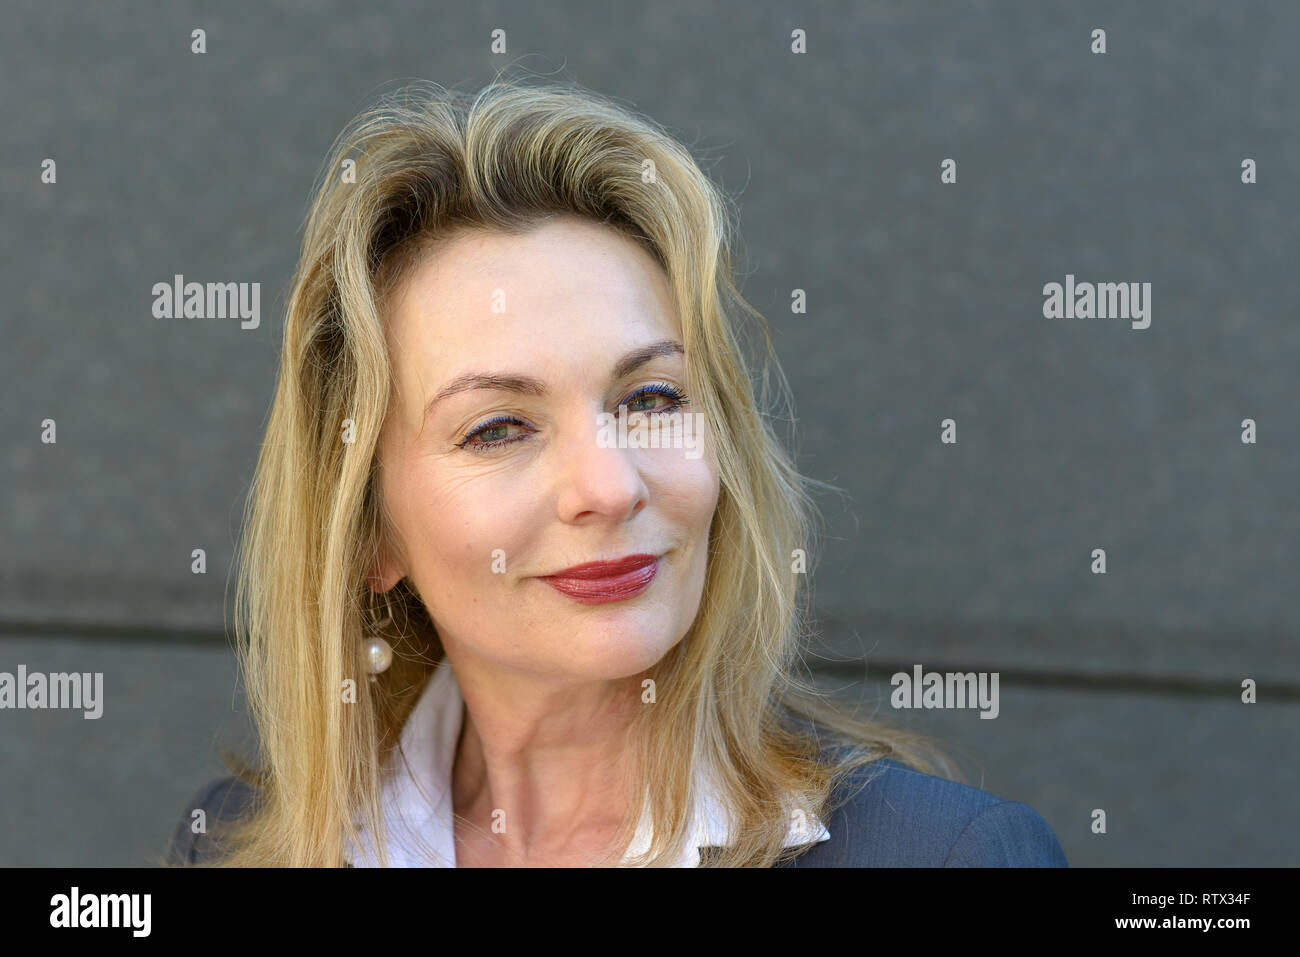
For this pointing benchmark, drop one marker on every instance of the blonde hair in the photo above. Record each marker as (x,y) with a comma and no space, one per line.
(429,161)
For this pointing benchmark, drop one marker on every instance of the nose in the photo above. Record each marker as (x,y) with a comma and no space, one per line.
(595,483)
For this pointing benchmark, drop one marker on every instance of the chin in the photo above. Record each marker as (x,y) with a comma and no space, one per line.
(619,650)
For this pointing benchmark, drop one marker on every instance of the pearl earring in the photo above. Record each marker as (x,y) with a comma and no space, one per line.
(379,654)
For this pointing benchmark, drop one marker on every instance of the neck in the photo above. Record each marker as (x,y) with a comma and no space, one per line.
(542,767)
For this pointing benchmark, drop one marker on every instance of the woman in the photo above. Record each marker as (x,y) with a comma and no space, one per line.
(520,580)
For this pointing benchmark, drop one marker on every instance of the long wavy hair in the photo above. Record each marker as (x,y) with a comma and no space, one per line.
(403,174)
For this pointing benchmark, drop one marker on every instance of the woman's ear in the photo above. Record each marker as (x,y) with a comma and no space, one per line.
(384,573)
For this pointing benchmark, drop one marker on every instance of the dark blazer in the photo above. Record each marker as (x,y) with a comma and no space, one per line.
(888,815)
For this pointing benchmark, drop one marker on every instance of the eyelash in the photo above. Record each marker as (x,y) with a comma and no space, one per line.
(678,397)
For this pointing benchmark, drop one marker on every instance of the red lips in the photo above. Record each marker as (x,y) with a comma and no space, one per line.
(595,583)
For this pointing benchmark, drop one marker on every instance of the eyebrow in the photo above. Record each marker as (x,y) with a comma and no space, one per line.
(528,385)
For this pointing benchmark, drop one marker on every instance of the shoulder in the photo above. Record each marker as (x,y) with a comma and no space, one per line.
(886,814)
(220,800)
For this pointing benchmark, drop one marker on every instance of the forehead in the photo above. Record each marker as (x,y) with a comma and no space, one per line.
(568,277)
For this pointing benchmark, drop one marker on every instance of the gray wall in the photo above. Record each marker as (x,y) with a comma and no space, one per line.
(1120,691)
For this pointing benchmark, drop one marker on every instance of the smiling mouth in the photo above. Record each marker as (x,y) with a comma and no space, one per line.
(596,583)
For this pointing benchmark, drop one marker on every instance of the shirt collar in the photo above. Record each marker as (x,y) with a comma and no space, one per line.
(417,800)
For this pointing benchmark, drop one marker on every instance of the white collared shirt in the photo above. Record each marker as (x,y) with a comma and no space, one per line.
(417,800)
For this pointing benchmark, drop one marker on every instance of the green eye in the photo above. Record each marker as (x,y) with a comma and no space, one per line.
(660,390)
(494,433)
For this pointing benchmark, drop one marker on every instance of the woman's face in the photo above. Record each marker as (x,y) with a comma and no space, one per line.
(497,472)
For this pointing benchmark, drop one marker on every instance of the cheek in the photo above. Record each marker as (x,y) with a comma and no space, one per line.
(684,491)
(459,529)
